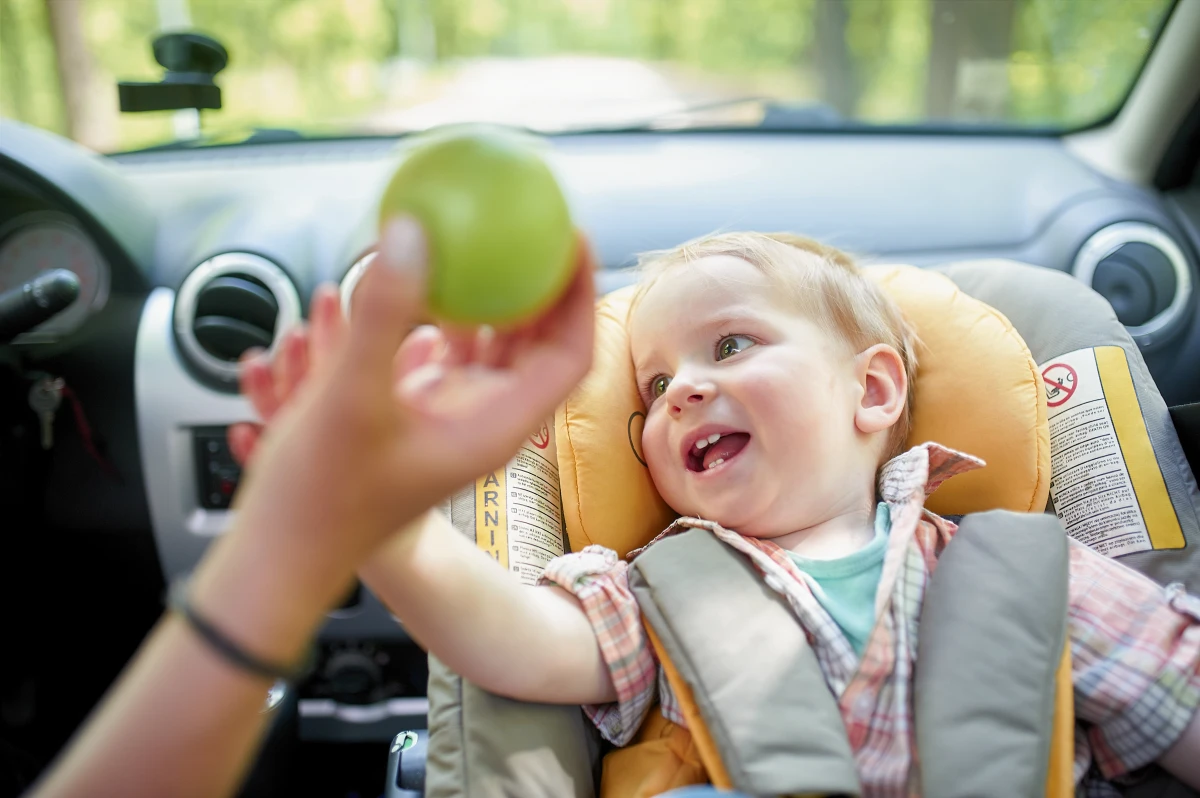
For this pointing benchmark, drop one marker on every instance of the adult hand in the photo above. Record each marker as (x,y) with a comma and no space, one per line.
(382,424)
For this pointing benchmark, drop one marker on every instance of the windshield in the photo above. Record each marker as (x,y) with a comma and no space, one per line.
(355,67)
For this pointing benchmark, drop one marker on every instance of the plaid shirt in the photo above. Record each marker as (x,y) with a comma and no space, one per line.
(1135,645)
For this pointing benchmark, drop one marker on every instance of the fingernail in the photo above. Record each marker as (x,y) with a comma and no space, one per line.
(420,381)
(432,331)
(402,245)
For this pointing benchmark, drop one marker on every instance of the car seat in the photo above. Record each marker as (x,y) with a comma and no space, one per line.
(1003,344)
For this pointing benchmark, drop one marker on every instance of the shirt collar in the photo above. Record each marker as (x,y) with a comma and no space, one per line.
(921,470)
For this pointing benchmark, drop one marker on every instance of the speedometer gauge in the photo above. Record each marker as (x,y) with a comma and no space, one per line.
(37,243)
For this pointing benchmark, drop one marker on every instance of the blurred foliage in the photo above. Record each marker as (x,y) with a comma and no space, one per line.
(323,65)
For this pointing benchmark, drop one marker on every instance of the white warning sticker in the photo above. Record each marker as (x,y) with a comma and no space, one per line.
(518,509)
(515,513)
(1091,488)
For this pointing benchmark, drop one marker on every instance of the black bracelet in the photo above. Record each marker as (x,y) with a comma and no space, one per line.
(232,652)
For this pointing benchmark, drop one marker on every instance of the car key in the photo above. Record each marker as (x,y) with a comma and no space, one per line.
(44,397)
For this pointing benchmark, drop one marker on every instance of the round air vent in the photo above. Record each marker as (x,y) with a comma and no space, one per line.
(350,281)
(1143,274)
(231,303)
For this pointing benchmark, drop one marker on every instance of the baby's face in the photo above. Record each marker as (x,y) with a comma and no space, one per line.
(749,406)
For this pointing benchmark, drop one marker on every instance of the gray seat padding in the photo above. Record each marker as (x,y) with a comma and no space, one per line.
(704,601)
(1056,314)
(486,746)
(993,627)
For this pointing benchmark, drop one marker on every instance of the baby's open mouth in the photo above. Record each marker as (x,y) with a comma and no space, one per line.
(716,449)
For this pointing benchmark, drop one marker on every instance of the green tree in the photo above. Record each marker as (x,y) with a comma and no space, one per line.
(333,65)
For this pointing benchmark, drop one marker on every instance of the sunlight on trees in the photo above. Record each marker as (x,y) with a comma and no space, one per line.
(345,66)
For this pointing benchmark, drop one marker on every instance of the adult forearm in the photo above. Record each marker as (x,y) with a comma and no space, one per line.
(523,642)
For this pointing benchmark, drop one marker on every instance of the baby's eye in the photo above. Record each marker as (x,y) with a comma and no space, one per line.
(658,386)
(730,345)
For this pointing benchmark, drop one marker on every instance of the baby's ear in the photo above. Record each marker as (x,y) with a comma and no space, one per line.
(880,373)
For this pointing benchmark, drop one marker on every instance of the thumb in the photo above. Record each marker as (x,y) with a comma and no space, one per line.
(390,296)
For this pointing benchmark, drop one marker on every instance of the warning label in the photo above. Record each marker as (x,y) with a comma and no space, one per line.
(1105,483)
(515,513)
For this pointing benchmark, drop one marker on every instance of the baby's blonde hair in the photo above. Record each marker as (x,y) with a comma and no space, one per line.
(827,286)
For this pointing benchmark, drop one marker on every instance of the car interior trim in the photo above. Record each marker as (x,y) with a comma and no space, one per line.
(1108,240)
(260,268)
(1131,147)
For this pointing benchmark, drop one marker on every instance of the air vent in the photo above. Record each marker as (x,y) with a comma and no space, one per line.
(229,304)
(350,281)
(1142,273)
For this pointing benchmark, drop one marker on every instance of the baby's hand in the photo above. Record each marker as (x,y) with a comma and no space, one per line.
(364,432)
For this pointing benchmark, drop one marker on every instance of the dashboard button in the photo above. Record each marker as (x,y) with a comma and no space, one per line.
(217,473)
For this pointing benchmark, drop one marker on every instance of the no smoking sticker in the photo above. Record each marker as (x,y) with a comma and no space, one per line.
(541,438)
(1061,382)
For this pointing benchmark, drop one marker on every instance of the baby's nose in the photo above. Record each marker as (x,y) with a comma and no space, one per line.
(692,399)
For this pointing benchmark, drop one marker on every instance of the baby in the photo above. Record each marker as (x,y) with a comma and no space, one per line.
(777,382)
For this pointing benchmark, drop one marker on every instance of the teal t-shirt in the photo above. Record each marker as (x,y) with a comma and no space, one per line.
(846,587)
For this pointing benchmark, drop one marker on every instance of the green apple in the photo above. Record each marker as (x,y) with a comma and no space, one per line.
(500,237)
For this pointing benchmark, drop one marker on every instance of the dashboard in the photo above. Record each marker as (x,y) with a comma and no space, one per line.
(34,243)
(186,257)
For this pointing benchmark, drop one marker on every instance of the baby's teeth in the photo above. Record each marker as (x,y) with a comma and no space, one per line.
(716,436)
(700,444)
(716,462)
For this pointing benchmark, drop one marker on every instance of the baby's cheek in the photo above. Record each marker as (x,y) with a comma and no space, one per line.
(653,445)
(799,395)
(657,453)
(776,405)
(668,488)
